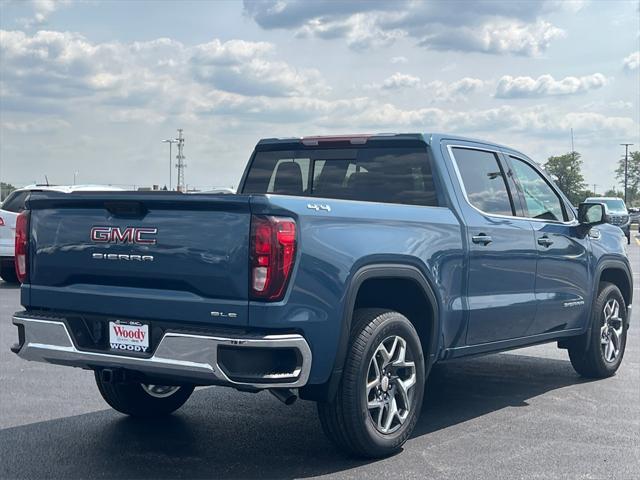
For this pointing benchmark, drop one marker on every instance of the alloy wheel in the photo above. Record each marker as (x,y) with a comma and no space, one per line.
(390,382)
(159,391)
(611,331)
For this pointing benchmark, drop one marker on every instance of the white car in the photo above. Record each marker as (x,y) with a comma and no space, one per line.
(13,205)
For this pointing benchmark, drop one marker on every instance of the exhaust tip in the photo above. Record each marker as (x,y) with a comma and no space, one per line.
(106,375)
(285,395)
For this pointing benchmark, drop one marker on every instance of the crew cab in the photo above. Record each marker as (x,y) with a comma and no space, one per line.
(341,272)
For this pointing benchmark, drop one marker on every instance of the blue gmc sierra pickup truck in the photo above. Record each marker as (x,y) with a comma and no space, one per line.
(341,272)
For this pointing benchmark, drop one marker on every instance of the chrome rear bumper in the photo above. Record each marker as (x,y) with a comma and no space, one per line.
(192,358)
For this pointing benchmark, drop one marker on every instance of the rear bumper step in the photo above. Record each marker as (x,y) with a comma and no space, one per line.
(191,358)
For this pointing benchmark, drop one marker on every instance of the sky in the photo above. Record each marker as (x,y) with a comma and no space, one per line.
(90,88)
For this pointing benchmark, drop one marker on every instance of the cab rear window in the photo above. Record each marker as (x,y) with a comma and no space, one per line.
(15,202)
(371,174)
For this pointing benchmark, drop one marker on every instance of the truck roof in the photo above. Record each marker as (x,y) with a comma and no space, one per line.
(429,138)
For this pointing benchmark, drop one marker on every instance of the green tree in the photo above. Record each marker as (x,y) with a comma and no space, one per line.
(5,190)
(566,169)
(633,177)
(613,193)
(586,194)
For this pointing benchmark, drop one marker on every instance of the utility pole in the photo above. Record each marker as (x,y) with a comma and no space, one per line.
(594,188)
(626,170)
(180,165)
(573,150)
(170,141)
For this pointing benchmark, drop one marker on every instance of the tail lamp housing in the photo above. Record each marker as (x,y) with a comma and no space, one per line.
(21,258)
(273,253)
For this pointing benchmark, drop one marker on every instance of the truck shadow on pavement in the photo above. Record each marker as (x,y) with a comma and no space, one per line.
(223,433)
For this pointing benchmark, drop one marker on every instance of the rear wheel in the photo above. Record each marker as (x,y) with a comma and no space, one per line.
(601,355)
(8,272)
(380,395)
(143,400)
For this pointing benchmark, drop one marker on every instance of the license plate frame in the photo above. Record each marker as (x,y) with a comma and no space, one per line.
(129,336)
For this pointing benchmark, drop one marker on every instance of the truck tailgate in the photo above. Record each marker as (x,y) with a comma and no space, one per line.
(158,256)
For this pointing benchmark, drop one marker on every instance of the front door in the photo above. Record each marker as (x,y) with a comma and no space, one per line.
(563,275)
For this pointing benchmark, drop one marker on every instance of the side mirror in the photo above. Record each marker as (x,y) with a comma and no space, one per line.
(592,214)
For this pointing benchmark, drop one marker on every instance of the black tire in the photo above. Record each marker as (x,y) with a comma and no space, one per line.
(8,273)
(587,352)
(132,399)
(346,420)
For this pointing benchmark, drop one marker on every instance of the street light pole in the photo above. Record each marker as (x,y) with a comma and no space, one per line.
(170,141)
(626,169)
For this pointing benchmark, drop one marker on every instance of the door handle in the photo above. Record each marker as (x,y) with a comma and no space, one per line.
(482,239)
(545,241)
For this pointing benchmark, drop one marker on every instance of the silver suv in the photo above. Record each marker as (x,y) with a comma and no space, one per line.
(617,213)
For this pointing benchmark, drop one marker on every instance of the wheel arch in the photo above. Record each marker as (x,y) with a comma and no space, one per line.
(608,270)
(373,276)
(616,272)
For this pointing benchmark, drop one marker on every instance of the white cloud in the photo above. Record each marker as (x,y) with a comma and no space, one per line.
(496,38)
(149,82)
(60,67)
(609,105)
(398,60)
(360,30)
(42,10)
(39,125)
(457,90)
(546,85)
(232,52)
(245,67)
(541,120)
(632,61)
(437,90)
(138,116)
(488,27)
(401,80)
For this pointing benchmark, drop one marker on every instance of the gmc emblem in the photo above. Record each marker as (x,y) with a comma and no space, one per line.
(136,235)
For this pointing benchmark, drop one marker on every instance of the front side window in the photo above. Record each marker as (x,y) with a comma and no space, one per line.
(542,202)
(484,181)
(363,173)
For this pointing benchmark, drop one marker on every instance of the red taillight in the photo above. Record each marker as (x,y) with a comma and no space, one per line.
(22,246)
(273,252)
(1,222)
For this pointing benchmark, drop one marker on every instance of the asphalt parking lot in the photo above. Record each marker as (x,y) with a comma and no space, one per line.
(523,414)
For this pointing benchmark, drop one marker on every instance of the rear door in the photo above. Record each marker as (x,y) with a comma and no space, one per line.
(563,276)
(151,256)
(502,252)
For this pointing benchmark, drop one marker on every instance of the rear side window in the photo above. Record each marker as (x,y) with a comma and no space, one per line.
(484,181)
(370,174)
(15,202)
(541,201)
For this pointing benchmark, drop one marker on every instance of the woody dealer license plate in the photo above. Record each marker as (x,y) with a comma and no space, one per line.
(129,336)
